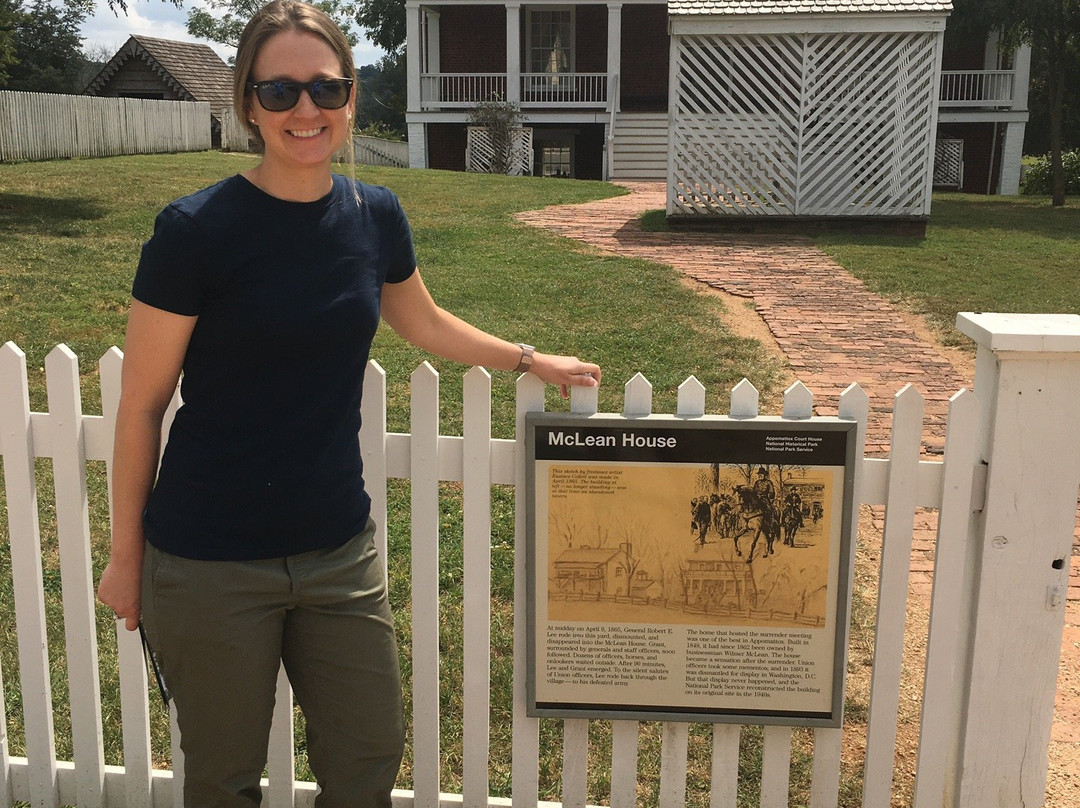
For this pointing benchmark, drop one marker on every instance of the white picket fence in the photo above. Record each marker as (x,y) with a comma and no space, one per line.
(1006,492)
(45,126)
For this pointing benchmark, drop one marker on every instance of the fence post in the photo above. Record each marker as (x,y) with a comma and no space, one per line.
(1027,378)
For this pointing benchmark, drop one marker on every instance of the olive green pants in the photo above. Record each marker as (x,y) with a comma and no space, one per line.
(221,630)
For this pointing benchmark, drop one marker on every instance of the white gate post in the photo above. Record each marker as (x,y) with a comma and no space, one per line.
(1027,378)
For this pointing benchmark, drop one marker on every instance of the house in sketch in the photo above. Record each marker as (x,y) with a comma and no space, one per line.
(779,108)
(712,580)
(597,571)
(147,67)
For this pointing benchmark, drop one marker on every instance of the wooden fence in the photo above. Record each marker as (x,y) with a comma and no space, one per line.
(1006,494)
(43,126)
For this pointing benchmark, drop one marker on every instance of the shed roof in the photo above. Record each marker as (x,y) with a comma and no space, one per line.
(587,555)
(788,7)
(195,71)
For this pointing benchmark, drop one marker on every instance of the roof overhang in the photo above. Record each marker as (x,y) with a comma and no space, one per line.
(862,22)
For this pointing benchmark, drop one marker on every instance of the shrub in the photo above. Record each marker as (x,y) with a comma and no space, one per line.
(501,118)
(1037,177)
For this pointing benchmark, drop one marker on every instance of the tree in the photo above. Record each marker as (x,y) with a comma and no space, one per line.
(224,20)
(9,11)
(45,47)
(384,21)
(1052,28)
(381,97)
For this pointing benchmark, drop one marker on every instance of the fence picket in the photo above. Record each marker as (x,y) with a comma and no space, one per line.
(744,400)
(637,402)
(281,760)
(476,473)
(675,740)
(940,725)
(134,703)
(73,533)
(775,766)
(624,761)
(424,470)
(5,758)
(373,450)
(20,486)
(892,597)
(575,773)
(691,398)
(637,397)
(525,780)
(798,401)
(854,405)
(724,779)
(176,785)
(674,745)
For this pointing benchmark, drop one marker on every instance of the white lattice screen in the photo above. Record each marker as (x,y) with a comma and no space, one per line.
(480,151)
(820,124)
(949,162)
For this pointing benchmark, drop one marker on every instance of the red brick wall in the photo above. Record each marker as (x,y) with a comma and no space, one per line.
(446,146)
(644,58)
(978,143)
(590,39)
(472,39)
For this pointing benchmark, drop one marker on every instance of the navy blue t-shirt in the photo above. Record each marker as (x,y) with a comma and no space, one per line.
(263,459)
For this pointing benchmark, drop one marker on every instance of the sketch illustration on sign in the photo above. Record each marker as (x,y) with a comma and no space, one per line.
(758,552)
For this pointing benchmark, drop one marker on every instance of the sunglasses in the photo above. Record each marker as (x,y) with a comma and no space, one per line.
(279,95)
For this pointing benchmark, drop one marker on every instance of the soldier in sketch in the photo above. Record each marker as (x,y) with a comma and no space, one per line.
(759,508)
(792,518)
(701,517)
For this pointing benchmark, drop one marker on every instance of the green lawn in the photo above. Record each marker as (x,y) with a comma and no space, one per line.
(981,253)
(70,233)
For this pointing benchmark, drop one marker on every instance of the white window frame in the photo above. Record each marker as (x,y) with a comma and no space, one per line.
(531,25)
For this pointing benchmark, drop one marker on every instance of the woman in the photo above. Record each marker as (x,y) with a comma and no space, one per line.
(254,546)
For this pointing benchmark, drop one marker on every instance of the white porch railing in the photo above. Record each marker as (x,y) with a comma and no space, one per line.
(976,88)
(564,89)
(464,90)
(1006,493)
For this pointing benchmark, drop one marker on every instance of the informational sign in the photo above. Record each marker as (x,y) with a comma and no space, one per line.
(688,569)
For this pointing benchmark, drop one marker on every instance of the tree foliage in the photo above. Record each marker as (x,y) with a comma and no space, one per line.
(1052,28)
(40,45)
(381,98)
(224,20)
(385,23)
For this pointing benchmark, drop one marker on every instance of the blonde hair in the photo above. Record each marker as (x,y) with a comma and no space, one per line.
(278,17)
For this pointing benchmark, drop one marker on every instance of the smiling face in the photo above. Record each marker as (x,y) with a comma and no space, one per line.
(305,137)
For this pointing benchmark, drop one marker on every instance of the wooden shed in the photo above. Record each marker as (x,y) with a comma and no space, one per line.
(147,67)
(813,111)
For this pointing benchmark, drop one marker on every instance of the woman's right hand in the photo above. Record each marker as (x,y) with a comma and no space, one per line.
(120,589)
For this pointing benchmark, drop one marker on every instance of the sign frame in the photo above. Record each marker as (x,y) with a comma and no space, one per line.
(574,664)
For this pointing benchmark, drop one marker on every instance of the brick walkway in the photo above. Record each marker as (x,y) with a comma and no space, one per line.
(833,331)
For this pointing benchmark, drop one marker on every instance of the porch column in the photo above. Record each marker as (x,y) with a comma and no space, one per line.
(614,54)
(1027,380)
(513,53)
(1012,154)
(417,145)
(432,62)
(414,55)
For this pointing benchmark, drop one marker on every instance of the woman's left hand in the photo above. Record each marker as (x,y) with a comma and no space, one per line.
(565,371)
